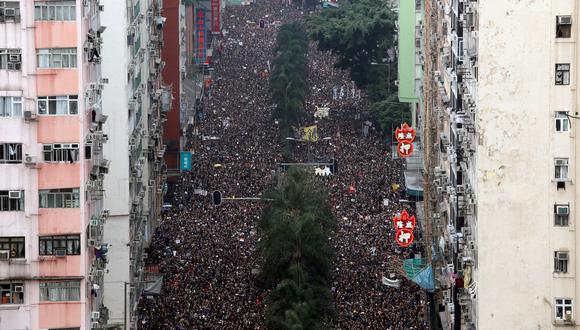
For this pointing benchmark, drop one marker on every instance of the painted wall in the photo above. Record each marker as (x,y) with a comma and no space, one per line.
(517,145)
(407,51)
(171,76)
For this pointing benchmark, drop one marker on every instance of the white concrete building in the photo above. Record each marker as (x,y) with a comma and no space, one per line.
(132,62)
(502,103)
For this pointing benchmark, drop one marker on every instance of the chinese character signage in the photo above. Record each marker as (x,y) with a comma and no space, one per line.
(200,27)
(185,161)
(405,136)
(215,16)
(404,226)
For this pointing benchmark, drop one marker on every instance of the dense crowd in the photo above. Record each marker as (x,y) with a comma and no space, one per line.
(208,253)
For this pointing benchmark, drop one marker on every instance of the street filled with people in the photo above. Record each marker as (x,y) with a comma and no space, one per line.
(207,252)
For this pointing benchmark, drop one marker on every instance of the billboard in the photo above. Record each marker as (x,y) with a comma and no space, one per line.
(215,16)
(201,38)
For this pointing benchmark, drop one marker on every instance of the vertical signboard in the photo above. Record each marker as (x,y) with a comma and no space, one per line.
(185,161)
(215,16)
(200,43)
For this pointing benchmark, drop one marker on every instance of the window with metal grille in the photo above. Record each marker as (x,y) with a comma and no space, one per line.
(9,11)
(59,245)
(10,153)
(58,105)
(563,74)
(561,169)
(560,262)
(562,121)
(60,291)
(15,245)
(55,10)
(56,58)
(61,152)
(10,59)
(11,200)
(11,293)
(10,106)
(561,215)
(59,198)
(564,26)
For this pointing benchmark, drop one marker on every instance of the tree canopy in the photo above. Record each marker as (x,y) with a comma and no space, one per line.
(296,254)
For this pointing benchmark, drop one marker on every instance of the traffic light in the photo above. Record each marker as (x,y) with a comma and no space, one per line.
(216,198)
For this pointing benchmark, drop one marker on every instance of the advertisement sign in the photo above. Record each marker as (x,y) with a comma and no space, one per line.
(200,28)
(405,136)
(185,161)
(404,226)
(215,16)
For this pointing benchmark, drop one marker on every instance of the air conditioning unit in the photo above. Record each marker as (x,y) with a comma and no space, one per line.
(95,222)
(9,12)
(29,115)
(562,210)
(562,255)
(60,252)
(29,160)
(4,255)
(14,194)
(565,20)
(91,242)
(19,288)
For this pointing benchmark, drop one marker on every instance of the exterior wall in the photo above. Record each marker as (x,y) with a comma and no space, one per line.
(172,76)
(118,197)
(407,51)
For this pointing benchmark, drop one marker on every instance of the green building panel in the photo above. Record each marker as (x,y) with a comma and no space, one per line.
(407,17)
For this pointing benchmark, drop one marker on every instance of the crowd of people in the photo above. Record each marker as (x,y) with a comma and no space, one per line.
(208,254)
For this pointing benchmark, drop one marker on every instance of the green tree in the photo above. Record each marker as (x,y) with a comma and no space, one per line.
(391,113)
(359,32)
(295,253)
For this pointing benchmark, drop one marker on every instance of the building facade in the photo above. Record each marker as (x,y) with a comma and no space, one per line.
(51,253)
(501,115)
(136,103)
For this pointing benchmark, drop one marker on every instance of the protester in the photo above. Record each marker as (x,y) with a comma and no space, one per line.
(208,253)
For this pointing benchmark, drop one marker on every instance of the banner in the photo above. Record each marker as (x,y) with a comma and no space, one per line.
(215,16)
(185,161)
(200,28)
(310,133)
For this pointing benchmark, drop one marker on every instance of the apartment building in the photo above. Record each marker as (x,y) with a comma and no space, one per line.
(501,116)
(51,165)
(136,102)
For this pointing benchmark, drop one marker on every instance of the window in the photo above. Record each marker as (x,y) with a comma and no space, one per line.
(564,309)
(59,245)
(10,153)
(562,121)
(10,59)
(59,198)
(60,291)
(560,262)
(11,200)
(13,244)
(61,152)
(562,74)
(9,11)
(561,215)
(11,293)
(56,58)
(55,10)
(10,106)
(58,105)
(418,5)
(561,169)
(563,26)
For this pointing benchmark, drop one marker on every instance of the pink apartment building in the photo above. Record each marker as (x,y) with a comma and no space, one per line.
(51,166)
